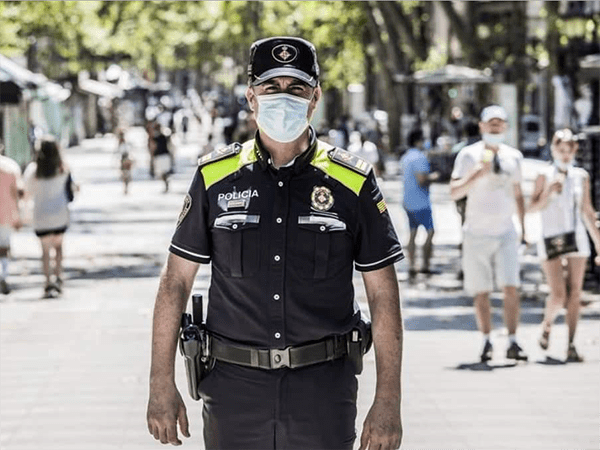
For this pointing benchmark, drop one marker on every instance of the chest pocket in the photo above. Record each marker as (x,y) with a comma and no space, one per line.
(329,243)
(237,244)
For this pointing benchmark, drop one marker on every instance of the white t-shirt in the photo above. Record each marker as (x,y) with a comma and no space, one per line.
(562,214)
(491,200)
(50,204)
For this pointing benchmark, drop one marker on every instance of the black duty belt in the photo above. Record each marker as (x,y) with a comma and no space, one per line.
(293,357)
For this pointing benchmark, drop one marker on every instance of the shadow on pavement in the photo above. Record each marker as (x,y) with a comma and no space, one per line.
(550,361)
(484,366)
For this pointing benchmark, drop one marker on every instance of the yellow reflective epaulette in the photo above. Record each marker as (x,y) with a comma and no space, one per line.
(220,154)
(350,160)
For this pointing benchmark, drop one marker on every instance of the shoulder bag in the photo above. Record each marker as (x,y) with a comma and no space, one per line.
(563,243)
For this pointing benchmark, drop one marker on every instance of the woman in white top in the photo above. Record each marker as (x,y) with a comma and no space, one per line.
(46,183)
(562,195)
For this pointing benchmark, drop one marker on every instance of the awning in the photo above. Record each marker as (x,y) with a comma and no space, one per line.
(449,74)
(99,88)
(36,84)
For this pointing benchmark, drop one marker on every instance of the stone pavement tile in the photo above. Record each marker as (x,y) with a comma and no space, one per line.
(511,406)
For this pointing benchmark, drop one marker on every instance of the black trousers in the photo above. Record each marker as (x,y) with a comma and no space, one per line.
(252,409)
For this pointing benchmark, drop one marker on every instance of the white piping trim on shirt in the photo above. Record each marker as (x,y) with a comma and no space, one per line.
(190,253)
(380,261)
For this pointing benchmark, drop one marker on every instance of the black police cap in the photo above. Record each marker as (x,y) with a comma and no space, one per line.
(283,57)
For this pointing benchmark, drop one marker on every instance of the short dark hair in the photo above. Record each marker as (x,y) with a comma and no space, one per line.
(415,136)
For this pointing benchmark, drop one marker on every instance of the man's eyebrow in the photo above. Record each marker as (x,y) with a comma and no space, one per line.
(298,83)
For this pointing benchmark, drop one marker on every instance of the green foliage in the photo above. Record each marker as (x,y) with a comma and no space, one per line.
(71,36)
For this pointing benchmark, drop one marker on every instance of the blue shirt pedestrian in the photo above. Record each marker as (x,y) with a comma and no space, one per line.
(416,197)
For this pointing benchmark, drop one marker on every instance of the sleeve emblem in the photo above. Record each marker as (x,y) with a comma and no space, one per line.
(187,205)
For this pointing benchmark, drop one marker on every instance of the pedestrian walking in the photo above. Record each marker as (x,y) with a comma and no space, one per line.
(283,219)
(470,136)
(11,190)
(150,130)
(163,162)
(49,183)
(417,177)
(126,162)
(562,196)
(488,172)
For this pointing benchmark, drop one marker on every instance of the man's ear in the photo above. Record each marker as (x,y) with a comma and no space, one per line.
(250,96)
(317,94)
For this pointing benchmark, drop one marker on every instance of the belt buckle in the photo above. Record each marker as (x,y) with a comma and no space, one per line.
(279,358)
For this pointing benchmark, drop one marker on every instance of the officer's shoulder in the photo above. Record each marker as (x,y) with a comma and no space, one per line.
(350,161)
(220,154)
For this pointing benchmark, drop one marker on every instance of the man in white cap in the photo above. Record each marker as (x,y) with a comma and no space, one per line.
(488,172)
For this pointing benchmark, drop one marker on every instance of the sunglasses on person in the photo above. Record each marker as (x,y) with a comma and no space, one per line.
(565,135)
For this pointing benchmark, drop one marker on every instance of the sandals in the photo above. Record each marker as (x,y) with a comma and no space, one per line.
(50,291)
(572,355)
(544,339)
(58,284)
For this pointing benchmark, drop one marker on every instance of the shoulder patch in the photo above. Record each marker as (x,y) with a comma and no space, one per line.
(350,160)
(220,154)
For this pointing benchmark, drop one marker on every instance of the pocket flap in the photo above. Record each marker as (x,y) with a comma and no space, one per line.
(321,223)
(234,222)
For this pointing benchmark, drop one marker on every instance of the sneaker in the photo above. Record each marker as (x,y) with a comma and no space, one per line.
(516,352)
(486,354)
(4,289)
(572,355)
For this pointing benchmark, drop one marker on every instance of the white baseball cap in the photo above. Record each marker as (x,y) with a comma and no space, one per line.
(493,112)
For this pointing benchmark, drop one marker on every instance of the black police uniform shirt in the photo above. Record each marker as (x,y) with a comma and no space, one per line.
(283,243)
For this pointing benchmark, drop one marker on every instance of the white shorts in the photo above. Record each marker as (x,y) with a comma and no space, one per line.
(162,164)
(486,258)
(5,232)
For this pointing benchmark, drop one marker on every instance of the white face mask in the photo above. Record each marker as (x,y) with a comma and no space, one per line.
(282,117)
(493,139)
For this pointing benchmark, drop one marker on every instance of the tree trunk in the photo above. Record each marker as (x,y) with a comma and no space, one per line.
(391,100)
(394,12)
(552,44)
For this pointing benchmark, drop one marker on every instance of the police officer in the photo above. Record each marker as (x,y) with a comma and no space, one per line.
(283,219)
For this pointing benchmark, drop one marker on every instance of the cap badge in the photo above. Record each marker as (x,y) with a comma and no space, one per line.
(321,198)
(284,53)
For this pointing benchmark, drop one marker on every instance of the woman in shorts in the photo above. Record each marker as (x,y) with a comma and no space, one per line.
(46,181)
(562,195)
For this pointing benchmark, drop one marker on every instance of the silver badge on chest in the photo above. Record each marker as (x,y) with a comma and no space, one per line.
(321,198)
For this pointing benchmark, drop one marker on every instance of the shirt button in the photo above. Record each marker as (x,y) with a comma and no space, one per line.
(322,228)
(276,297)
(279,220)
(234,226)
(277,257)
(280,184)
(277,335)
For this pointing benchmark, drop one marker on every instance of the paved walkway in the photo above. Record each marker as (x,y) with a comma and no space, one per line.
(74,370)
